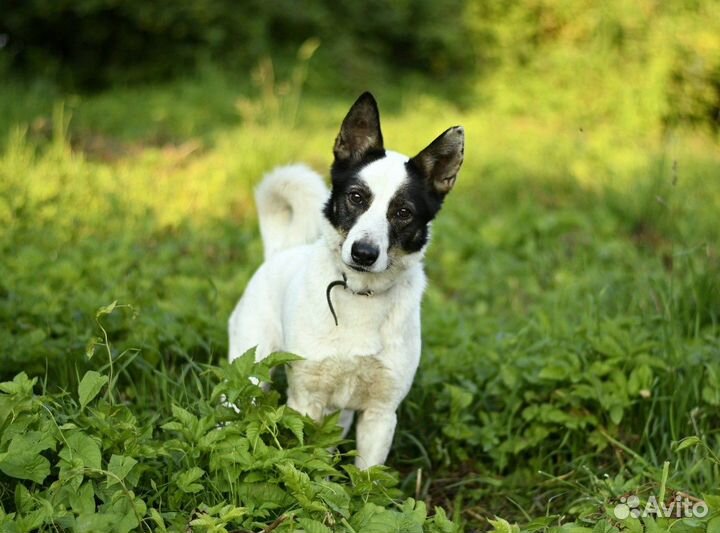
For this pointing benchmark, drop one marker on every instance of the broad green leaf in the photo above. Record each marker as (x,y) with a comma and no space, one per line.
(128,509)
(188,420)
(23,459)
(573,528)
(616,414)
(20,384)
(186,480)
(713,525)
(632,525)
(83,448)
(82,501)
(118,468)
(374,519)
(94,522)
(24,501)
(242,366)
(90,386)
(313,526)
(603,526)
(651,525)
(713,501)
(415,509)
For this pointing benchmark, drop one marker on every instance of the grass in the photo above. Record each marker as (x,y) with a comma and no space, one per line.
(570,326)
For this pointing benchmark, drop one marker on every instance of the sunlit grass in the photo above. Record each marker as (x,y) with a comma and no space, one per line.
(572,315)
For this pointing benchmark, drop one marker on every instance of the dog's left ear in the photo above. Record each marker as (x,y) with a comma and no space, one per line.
(440,162)
(360,131)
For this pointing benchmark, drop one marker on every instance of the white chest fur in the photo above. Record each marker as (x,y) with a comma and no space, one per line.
(310,329)
(341,382)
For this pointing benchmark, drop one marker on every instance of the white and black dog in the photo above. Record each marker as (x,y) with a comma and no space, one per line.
(342,280)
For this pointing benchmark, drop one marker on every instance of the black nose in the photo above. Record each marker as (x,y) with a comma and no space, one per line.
(364,253)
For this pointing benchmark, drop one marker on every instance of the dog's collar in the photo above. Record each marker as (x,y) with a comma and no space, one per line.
(341,283)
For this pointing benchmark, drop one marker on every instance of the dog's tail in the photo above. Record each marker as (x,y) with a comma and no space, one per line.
(289,202)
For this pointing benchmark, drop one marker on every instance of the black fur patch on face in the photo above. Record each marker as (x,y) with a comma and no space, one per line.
(350,195)
(410,211)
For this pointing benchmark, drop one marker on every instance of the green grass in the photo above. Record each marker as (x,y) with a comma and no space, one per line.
(571,324)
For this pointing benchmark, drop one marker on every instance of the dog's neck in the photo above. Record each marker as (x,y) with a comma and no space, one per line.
(368,283)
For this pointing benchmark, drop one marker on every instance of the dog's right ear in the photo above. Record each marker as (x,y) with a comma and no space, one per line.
(360,131)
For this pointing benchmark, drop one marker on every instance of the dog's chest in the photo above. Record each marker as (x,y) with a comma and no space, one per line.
(310,328)
(343,382)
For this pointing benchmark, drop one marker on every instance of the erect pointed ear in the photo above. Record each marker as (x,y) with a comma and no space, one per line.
(441,160)
(360,131)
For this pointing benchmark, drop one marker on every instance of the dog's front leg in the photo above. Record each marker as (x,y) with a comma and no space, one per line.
(306,406)
(375,431)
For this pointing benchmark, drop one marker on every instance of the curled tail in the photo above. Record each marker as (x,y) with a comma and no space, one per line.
(289,202)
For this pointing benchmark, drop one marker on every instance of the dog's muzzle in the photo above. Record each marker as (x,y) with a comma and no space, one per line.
(364,253)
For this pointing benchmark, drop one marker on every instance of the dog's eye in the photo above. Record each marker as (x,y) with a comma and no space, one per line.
(403,213)
(356,198)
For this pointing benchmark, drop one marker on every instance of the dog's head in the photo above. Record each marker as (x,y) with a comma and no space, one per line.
(382,202)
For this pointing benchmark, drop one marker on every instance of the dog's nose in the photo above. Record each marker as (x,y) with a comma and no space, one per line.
(364,253)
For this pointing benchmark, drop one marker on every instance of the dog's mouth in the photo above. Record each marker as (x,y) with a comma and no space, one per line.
(358,268)
(368,270)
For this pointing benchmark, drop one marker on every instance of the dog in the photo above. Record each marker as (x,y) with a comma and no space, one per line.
(343,279)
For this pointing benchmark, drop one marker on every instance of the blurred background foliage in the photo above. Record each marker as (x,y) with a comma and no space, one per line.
(660,58)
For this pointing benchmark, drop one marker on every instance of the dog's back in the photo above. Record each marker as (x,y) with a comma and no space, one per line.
(289,203)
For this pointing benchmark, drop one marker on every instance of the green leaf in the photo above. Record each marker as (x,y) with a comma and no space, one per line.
(572,527)
(554,373)
(158,519)
(23,459)
(20,385)
(24,501)
(687,443)
(80,447)
(90,386)
(616,414)
(91,345)
(713,526)
(186,480)
(106,309)
(295,424)
(313,526)
(118,468)
(651,526)
(127,508)
(713,501)
(280,358)
(82,501)
(442,522)
(94,522)
(188,420)
(501,525)
(242,366)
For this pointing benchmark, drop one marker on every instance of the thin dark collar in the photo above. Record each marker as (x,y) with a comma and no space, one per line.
(341,283)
